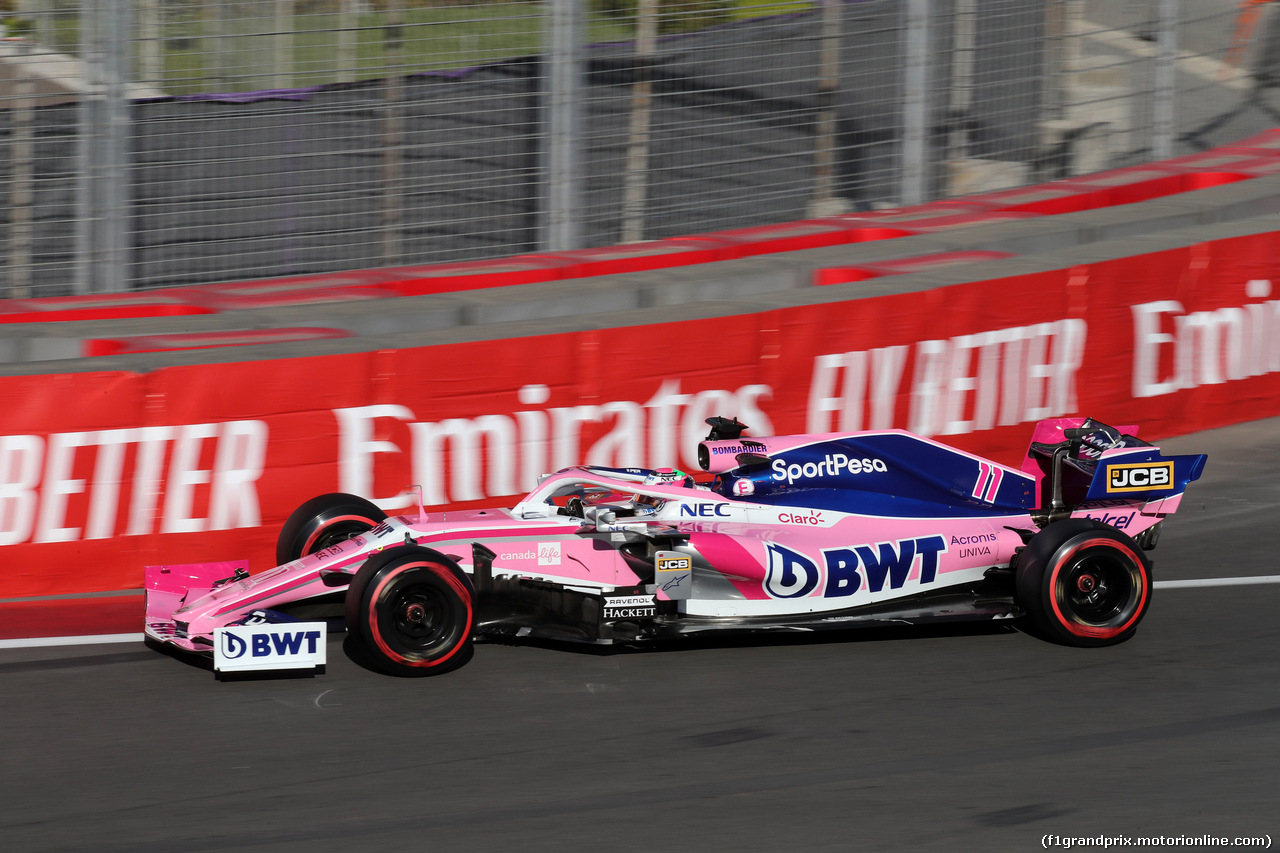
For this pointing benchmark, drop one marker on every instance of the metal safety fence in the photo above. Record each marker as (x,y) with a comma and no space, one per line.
(150,143)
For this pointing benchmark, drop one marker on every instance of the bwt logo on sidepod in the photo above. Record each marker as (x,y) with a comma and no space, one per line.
(831,465)
(791,574)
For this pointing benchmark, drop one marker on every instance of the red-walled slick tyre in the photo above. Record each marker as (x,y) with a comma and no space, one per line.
(323,521)
(412,611)
(1084,583)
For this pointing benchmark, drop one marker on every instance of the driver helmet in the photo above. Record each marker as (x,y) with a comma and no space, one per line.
(669,477)
(660,477)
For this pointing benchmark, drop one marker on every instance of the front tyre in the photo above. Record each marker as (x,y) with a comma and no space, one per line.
(1084,583)
(324,521)
(412,611)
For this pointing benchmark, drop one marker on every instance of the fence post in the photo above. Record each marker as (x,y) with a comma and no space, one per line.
(962,77)
(564,87)
(213,29)
(1162,121)
(41,12)
(393,41)
(21,194)
(635,176)
(103,192)
(283,52)
(348,21)
(151,43)
(915,105)
(824,148)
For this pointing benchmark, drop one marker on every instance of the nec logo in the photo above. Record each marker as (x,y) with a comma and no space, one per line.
(704,510)
(1140,477)
(844,571)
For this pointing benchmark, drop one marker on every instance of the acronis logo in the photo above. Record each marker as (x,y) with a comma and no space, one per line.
(844,571)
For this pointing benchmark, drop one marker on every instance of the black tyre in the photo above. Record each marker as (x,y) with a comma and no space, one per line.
(323,521)
(411,610)
(1084,583)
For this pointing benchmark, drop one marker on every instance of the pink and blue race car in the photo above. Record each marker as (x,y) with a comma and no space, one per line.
(792,533)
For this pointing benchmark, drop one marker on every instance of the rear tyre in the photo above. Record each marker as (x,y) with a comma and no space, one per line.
(1084,583)
(324,521)
(412,610)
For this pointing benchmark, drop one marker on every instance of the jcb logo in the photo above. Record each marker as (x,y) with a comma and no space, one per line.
(673,564)
(1140,477)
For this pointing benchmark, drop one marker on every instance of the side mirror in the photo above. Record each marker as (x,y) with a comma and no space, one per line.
(604,518)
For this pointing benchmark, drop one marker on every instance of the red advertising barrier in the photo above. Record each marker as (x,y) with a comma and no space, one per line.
(637,257)
(1107,189)
(919,263)
(103,473)
(206,340)
(109,307)
(472,275)
(796,236)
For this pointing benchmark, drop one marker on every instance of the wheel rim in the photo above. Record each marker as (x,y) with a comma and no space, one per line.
(1099,591)
(419,616)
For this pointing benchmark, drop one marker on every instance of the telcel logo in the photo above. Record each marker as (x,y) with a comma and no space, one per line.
(1139,477)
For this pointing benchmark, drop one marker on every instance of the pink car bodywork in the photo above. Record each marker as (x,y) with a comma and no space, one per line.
(803,531)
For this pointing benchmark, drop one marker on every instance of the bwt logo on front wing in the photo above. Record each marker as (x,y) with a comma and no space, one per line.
(791,574)
(293,646)
(1139,477)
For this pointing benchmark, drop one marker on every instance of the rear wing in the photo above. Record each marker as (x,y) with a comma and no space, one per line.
(1080,461)
(1143,474)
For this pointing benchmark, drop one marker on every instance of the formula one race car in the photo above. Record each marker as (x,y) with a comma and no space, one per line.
(802,532)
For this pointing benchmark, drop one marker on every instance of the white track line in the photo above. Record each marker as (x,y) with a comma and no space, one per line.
(94,639)
(1199,582)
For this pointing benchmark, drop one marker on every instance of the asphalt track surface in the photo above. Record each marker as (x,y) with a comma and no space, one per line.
(972,738)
